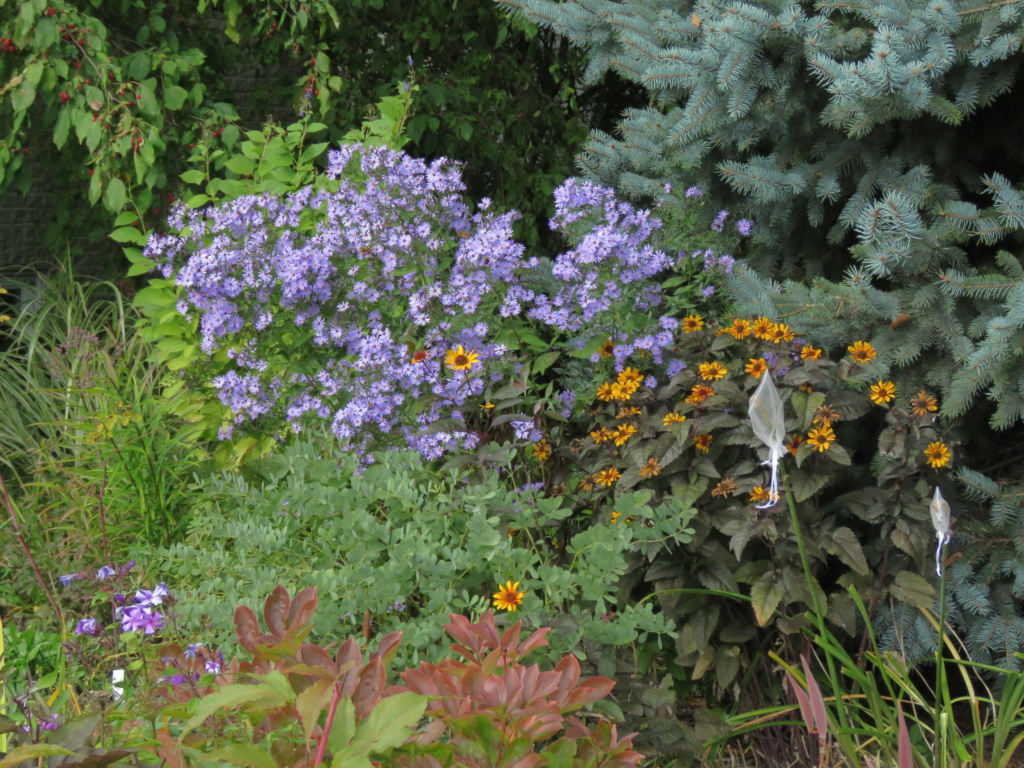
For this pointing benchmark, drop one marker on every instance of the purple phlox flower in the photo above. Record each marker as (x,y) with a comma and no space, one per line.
(104,573)
(67,578)
(136,617)
(87,627)
(744,226)
(191,649)
(152,598)
(694,192)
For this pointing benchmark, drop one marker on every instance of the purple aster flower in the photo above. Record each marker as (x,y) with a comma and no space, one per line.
(674,367)
(650,382)
(694,192)
(87,627)
(708,291)
(719,223)
(744,226)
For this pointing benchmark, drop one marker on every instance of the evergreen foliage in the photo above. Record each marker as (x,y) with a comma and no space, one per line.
(880,124)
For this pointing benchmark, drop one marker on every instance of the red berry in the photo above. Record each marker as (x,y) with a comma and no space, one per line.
(90,173)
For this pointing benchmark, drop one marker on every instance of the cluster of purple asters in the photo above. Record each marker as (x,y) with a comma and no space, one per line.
(339,302)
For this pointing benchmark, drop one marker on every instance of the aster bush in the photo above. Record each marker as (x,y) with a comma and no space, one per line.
(346,301)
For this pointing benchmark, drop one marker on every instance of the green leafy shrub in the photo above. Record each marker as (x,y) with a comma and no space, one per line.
(396,546)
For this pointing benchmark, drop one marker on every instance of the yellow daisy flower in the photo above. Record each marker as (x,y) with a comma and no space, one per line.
(923,403)
(821,438)
(607,477)
(625,413)
(725,488)
(808,352)
(937,454)
(623,433)
(602,435)
(862,352)
(606,349)
(629,377)
(692,323)
(703,442)
(604,392)
(756,367)
(759,495)
(673,418)
(740,329)
(508,597)
(459,359)
(651,468)
(542,450)
(780,332)
(882,392)
(711,371)
(761,328)
(699,394)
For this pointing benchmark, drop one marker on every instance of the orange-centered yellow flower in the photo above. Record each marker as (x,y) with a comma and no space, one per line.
(602,435)
(882,392)
(756,367)
(740,329)
(604,392)
(712,371)
(762,328)
(508,597)
(542,450)
(923,403)
(623,433)
(725,489)
(459,359)
(703,442)
(822,438)
(673,418)
(692,323)
(606,349)
(862,352)
(630,377)
(937,454)
(625,413)
(651,468)
(780,332)
(699,394)
(810,353)
(759,495)
(607,476)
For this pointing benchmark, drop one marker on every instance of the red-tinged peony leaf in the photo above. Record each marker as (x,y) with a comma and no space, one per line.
(510,639)
(303,605)
(537,640)
(569,669)
(275,609)
(388,647)
(368,691)
(592,689)
(316,656)
(350,663)
(247,628)
(420,682)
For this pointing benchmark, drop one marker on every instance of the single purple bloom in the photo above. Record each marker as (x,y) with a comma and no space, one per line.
(708,291)
(719,223)
(213,667)
(87,627)
(650,382)
(152,597)
(694,192)
(190,650)
(744,226)
(104,573)
(67,578)
(674,367)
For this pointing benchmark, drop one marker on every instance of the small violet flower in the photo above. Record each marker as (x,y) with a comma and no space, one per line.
(87,627)
(104,573)
(67,578)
